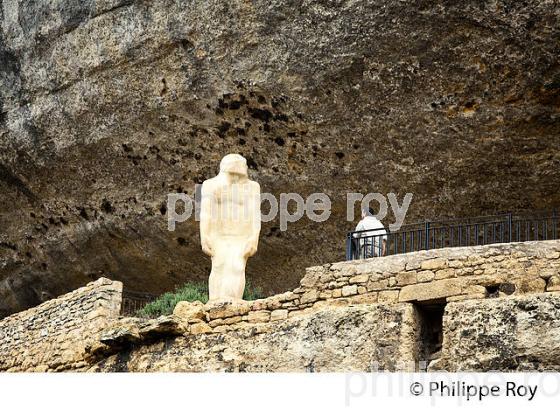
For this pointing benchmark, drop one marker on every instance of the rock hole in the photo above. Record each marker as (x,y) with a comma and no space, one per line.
(507,288)
(235,105)
(106,206)
(186,44)
(263,115)
(493,291)
(252,164)
(223,128)
(84,214)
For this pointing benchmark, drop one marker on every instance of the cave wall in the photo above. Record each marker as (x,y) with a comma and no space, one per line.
(108,105)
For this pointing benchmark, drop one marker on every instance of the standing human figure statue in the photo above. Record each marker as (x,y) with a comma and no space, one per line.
(230,223)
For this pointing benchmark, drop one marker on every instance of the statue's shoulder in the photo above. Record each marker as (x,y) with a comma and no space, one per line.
(254,185)
(210,183)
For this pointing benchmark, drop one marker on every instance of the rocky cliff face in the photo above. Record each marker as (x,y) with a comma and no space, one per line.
(108,105)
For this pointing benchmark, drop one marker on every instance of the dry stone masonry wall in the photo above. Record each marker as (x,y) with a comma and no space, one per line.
(348,316)
(444,275)
(55,334)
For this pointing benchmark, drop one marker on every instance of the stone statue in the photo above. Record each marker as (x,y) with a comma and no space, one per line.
(230,223)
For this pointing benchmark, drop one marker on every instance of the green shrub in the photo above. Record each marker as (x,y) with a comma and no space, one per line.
(189,292)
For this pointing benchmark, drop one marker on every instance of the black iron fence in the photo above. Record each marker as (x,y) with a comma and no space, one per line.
(453,233)
(132,302)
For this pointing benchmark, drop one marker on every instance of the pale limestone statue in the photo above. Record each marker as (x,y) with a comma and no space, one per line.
(230,223)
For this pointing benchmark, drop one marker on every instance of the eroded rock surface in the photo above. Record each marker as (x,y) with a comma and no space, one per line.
(512,334)
(107,106)
(359,338)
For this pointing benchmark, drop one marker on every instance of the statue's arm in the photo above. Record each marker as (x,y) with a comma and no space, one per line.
(255,207)
(206,219)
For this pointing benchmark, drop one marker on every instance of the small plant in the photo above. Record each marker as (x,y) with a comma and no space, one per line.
(189,292)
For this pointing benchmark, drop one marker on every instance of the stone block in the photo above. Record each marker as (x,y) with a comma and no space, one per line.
(445,274)
(413,265)
(433,264)
(359,279)
(547,272)
(406,278)
(552,255)
(378,285)
(326,294)
(190,310)
(220,310)
(432,290)
(468,296)
(363,299)
(455,263)
(259,304)
(258,316)
(425,276)
(529,285)
(553,284)
(388,296)
(349,290)
(279,314)
(310,296)
(198,328)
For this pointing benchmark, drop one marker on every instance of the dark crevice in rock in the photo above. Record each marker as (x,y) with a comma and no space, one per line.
(11,179)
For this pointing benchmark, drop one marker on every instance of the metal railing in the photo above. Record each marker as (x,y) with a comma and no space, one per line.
(132,302)
(483,230)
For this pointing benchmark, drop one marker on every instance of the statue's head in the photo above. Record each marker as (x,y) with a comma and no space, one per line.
(234,164)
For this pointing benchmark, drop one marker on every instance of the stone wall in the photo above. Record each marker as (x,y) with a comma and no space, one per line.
(56,334)
(443,275)
(358,338)
(347,316)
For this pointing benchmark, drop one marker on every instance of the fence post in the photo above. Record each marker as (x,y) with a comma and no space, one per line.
(510,227)
(349,246)
(554,223)
(427,235)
